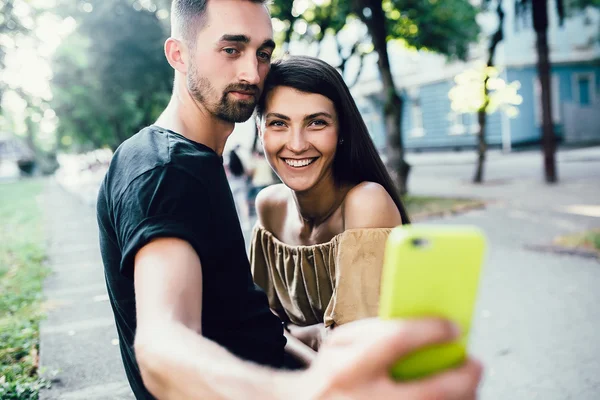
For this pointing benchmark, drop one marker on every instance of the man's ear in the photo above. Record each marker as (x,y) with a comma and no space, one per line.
(177,55)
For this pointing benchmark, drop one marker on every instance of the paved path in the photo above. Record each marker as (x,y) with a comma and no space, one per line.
(537,319)
(78,339)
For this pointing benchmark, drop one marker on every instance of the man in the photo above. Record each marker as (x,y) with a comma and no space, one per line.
(191,323)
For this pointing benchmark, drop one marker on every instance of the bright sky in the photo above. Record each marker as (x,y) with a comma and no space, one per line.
(28,63)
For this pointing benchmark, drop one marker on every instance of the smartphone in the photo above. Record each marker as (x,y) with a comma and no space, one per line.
(432,271)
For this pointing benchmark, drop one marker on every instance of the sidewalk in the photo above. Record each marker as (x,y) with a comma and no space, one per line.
(515,178)
(78,340)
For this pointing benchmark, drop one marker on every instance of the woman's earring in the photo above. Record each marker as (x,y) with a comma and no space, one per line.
(341,142)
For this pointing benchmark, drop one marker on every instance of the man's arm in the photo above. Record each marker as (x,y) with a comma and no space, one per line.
(175,360)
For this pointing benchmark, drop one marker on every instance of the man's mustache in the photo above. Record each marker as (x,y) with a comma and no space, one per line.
(243,88)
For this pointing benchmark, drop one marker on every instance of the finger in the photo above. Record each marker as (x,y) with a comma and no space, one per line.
(382,343)
(457,384)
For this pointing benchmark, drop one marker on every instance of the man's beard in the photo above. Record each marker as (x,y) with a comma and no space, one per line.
(226,109)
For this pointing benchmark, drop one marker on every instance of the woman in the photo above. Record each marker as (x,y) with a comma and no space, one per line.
(318,245)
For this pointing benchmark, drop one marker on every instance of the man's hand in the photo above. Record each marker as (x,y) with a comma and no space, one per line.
(355,360)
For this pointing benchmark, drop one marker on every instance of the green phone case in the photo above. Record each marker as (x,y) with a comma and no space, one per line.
(432,271)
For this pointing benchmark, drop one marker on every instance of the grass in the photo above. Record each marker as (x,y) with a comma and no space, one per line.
(22,271)
(589,240)
(421,207)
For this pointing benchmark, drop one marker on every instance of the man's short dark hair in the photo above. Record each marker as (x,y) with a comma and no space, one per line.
(189,16)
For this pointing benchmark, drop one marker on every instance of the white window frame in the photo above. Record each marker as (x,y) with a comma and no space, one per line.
(474,127)
(457,126)
(416,114)
(591,75)
(555,101)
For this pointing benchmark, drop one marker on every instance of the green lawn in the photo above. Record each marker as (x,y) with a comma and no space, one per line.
(21,274)
(589,240)
(421,207)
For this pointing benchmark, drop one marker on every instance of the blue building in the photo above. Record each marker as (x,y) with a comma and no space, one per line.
(424,79)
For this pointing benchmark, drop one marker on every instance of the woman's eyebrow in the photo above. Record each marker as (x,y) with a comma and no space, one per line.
(306,118)
(319,114)
(277,115)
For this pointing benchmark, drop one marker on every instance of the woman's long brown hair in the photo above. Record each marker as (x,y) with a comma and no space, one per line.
(357,159)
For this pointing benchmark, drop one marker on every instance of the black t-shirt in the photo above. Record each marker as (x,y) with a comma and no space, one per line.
(161,184)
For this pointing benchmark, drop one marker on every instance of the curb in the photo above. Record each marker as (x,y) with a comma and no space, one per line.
(572,251)
(456,210)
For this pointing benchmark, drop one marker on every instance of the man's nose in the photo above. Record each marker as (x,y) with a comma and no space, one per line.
(249,70)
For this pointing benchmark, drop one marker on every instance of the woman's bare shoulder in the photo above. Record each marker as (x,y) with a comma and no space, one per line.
(369,205)
(271,206)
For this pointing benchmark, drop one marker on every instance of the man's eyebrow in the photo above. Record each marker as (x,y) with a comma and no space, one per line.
(235,38)
(277,115)
(268,43)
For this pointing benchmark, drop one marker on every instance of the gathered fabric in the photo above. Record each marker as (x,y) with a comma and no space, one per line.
(332,283)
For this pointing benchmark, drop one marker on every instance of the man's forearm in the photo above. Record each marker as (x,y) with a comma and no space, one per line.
(177,363)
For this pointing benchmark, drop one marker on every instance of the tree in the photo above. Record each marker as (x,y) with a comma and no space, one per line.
(540,25)
(11,27)
(313,23)
(446,27)
(481,90)
(18,23)
(539,15)
(484,106)
(110,76)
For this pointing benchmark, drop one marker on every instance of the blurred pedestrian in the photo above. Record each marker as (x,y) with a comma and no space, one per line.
(238,182)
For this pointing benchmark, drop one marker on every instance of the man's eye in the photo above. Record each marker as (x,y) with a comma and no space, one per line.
(263,55)
(230,50)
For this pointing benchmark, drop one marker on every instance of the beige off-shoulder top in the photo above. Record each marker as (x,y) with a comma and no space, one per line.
(334,282)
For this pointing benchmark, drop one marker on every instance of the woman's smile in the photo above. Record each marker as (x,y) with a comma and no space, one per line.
(299,162)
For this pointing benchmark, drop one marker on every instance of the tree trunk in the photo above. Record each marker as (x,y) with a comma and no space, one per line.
(540,24)
(397,166)
(482,112)
(481,145)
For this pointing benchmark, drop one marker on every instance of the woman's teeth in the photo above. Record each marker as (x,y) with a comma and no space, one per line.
(299,163)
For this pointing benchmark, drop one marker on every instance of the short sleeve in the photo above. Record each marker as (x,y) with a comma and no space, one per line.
(163,202)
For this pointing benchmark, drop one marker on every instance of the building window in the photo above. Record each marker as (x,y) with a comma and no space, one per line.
(583,88)
(416,114)
(462,123)
(537,99)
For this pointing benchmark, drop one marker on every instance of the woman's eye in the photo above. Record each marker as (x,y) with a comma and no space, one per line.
(319,122)
(276,123)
